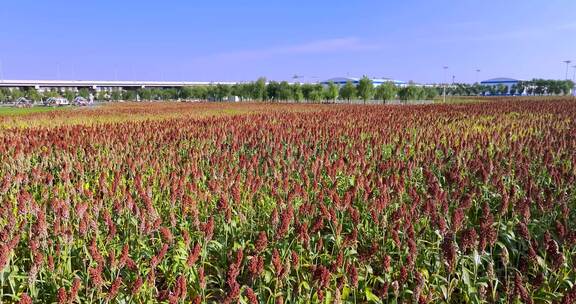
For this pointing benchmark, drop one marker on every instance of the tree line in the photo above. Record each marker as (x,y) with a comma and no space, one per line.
(535,87)
(259,90)
(273,91)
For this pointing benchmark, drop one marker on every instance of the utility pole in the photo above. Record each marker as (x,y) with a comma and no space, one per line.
(444,87)
(567,62)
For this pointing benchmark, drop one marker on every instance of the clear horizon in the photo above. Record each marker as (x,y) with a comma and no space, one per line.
(241,40)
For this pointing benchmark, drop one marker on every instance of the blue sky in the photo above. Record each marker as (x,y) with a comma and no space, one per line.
(242,40)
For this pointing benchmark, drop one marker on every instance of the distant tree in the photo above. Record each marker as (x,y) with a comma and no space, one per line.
(386,91)
(365,89)
(317,93)
(211,93)
(3,95)
(554,87)
(200,92)
(69,94)
(285,91)
(297,92)
(165,94)
(15,94)
(84,93)
(222,92)
(169,94)
(259,91)
(33,95)
(250,90)
(332,91)
(429,93)
(348,91)
(50,93)
(129,95)
(403,94)
(236,90)
(307,90)
(439,89)
(420,93)
(145,94)
(155,94)
(567,87)
(520,87)
(116,95)
(410,92)
(461,89)
(185,93)
(502,89)
(475,89)
(244,91)
(272,91)
(103,96)
(468,89)
(514,89)
(492,90)
(540,86)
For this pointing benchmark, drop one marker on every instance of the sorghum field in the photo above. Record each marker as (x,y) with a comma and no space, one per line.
(261,203)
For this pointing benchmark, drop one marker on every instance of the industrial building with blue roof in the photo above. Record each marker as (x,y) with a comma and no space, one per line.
(508,82)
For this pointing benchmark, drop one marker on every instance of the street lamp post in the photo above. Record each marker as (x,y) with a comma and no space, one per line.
(444,86)
(477,73)
(567,62)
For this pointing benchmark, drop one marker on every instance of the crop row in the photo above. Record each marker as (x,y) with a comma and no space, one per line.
(428,204)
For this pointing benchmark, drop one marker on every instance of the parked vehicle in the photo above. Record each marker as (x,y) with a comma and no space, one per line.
(56,101)
(81,101)
(23,102)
